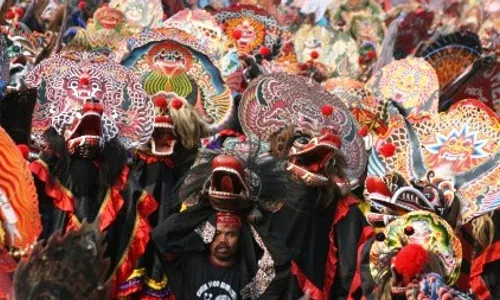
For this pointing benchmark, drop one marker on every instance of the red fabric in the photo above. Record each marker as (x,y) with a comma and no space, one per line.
(145,207)
(63,199)
(490,254)
(356,281)
(148,297)
(112,206)
(305,284)
(229,219)
(331,263)
(480,288)
(151,159)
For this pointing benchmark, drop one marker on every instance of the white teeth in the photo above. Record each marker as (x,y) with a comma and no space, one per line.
(234,172)
(163,125)
(154,152)
(91,113)
(451,157)
(308,174)
(229,170)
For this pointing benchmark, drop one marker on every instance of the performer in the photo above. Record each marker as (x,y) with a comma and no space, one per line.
(218,248)
(324,228)
(82,172)
(159,166)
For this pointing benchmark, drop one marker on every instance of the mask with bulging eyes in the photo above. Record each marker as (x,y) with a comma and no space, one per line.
(311,155)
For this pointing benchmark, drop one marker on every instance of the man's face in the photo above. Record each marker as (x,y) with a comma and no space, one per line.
(225,243)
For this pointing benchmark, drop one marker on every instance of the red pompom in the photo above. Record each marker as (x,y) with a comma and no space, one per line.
(161,102)
(264,51)
(361,60)
(10,15)
(387,150)
(98,108)
(327,110)
(410,260)
(314,54)
(371,54)
(165,17)
(82,5)
(363,131)
(237,34)
(242,138)
(88,107)
(176,103)
(84,80)
(19,11)
(25,151)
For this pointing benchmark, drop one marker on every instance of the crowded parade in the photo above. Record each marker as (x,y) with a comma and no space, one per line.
(249,149)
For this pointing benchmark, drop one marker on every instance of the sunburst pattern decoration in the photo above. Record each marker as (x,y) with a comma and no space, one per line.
(250,28)
(106,32)
(140,14)
(410,84)
(460,145)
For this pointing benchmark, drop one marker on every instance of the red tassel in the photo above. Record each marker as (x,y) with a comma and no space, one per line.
(19,11)
(363,131)
(237,34)
(10,15)
(176,103)
(371,54)
(410,260)
(387,150)
(98,108)
(314,54)
(327,110)
(376,185)
(88,107)
(84,80)
(161,102)
(82,5)
(264,51)
(25,151)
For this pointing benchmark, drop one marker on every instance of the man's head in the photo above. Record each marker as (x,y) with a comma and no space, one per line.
(226,241)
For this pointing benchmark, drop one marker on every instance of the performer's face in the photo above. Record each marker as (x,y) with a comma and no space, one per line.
(225,244)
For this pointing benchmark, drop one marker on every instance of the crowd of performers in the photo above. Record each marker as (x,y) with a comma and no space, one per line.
(252,149)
